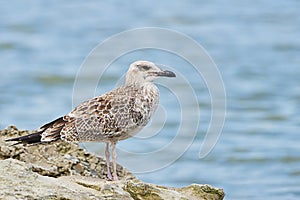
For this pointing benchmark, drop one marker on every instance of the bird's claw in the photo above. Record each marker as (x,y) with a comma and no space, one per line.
(109,176)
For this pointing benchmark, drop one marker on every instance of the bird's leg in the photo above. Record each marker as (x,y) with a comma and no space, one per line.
(114,159)
(107,156)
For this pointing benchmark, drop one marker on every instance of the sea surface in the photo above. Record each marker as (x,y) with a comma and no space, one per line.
(254,44)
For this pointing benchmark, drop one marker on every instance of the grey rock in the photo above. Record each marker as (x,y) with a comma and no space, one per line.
(65,171)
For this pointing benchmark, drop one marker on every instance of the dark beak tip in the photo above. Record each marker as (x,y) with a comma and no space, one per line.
(169,73)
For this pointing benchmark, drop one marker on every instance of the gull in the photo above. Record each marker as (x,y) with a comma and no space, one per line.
(111,117)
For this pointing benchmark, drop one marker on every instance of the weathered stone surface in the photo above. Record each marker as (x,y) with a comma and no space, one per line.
(65,171)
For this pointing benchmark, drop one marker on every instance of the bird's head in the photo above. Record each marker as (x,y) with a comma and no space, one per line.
(140,72)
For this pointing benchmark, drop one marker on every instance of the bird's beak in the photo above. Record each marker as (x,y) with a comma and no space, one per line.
(165,73)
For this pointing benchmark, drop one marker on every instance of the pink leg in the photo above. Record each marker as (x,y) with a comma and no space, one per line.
(114,158)
(107,156)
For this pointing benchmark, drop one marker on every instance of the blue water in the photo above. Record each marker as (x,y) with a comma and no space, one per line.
(255,44)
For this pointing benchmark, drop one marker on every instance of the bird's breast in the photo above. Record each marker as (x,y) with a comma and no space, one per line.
(151,97)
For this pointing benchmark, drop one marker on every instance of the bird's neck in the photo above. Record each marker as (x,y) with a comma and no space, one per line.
(144,88)
(136,82)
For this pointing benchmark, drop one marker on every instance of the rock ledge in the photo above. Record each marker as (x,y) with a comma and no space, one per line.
(65,171)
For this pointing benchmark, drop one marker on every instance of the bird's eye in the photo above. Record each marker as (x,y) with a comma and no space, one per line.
(145,67)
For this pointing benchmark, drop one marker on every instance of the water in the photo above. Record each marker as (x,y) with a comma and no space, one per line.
(255,44)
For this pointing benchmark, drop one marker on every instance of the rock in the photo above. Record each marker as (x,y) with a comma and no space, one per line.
(141,190)
(64,171)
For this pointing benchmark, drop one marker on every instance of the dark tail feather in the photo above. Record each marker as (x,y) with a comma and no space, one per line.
(28,139)
(50,124)
(34,138)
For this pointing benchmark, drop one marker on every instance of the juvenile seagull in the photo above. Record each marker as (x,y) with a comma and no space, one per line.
(116,115)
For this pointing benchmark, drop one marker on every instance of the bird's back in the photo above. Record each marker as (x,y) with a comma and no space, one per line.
(114,116)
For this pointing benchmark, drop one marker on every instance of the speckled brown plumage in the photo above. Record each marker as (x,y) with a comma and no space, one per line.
(116,115)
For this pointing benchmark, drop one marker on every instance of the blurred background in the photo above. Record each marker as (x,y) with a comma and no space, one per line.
(255,44)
